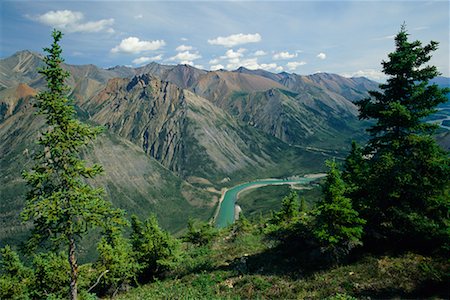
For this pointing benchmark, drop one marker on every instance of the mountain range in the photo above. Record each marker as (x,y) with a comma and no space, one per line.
(176,135)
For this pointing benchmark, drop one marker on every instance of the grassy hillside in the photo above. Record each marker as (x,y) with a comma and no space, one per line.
(247,265)
(141,185)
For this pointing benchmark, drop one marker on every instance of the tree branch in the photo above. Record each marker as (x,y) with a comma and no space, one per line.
(98,280)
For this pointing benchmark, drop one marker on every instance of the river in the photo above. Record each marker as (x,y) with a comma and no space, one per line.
(225,216)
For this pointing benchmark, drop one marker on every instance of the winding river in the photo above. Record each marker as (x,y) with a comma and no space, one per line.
(225,216)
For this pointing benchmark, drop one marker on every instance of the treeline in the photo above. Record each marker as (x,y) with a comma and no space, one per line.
(390,196)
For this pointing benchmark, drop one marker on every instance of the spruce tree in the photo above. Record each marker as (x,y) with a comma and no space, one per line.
(289,210)
(200,233)
(354,175)
(155,249)
(116,264)
(60,204)
(338,226)
(16,279)
(303,206)
(406,183)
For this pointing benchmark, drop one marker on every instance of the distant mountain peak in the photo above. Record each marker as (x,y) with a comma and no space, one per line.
(25,53)
(242,69)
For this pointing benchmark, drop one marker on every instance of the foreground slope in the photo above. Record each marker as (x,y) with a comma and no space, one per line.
(243,263)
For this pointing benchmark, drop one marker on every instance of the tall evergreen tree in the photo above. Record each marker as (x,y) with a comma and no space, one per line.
(61,205)
(338,226)
(407,180)
(354,175)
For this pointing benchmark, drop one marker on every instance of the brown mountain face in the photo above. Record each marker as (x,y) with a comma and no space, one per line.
(14,98)
(148,112)
(352,89)
(291,117)
(184,76)
(175,126)
(217,86)
(304,111)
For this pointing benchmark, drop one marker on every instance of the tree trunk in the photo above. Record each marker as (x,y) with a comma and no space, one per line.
(73,269)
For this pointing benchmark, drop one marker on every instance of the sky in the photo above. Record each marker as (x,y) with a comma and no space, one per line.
(349,38)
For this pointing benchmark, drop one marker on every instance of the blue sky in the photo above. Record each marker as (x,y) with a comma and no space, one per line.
(344,37)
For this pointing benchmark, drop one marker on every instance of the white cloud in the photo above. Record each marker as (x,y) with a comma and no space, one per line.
(321,55)
(230,54)
(250,63)
(134,45)
(157,57)
(369,73)
(260,53)
(271,66)
(284,55)
(94,26)
(214,61)
(60,18)
(216,67)
(182,48)
(184,39)
(387,37)
(140,16)
(235,39)
(186,56)
(293,65)
(279,69)
(71,21)
(145,59)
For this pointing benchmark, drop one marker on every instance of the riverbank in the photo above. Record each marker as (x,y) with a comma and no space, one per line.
(232,194)
(224,190)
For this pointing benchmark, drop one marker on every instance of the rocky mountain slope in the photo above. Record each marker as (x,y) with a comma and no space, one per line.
(174,126)
(282,105)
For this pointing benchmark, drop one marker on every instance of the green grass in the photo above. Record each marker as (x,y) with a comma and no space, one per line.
(263,200)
